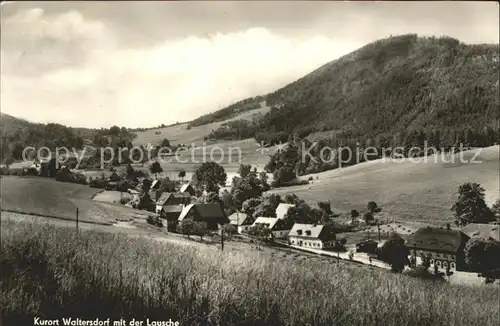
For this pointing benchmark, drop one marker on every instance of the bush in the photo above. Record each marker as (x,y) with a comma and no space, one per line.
(124,200)
(98,183)
(154,220)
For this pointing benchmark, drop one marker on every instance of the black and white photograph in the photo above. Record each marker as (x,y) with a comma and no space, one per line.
(253,163)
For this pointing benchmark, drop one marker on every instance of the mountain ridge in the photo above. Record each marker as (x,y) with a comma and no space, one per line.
(392,84)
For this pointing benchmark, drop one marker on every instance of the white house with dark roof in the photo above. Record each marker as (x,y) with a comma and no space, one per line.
(282,209)
(276,225)
(314,236)
(241,221)
(211,213)
(443,246)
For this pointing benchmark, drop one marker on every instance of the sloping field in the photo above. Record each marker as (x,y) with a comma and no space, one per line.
(230,154)
(406,190)
(179,134)
(47,197)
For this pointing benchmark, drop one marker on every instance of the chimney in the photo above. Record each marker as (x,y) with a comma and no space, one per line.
(448,227)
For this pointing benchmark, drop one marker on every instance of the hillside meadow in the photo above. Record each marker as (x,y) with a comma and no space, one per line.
(116,276)
(418,191)
(180,134)
(48,197)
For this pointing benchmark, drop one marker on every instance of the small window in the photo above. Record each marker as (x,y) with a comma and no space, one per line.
(438,263)
(445,264)
(452,265)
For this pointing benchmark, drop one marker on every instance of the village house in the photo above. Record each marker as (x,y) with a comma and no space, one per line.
(443,246)
(482,231)
(278,228)
(170,212)
(314,236)
(170,198)
(187,188)
(212,214)
(241,221)
(282,209)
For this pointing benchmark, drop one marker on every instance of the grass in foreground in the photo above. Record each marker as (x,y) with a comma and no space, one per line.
(49,272)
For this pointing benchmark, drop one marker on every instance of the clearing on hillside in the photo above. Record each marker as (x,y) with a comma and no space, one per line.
(47,197)
(179,134)
(406,190)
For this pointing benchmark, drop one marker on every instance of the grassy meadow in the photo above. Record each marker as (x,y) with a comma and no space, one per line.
(179,134)
(50,272)
(422,192)
(48,197)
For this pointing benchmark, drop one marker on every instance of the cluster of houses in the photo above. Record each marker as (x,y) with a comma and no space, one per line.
(443,246)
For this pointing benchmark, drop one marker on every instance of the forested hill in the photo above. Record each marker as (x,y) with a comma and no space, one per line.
(394,84)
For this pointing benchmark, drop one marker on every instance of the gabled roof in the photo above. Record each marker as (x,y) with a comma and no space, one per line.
(185,187)
(155,183)
(166,196)
(437,239)
(240,219)
(212,211)
(163,198)
(181,195)
(480,230)
(312,231)
(282,209)
(268,222)
(185,211)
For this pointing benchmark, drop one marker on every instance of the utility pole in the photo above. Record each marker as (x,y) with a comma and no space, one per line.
(77,219)
(415,254)
(222,239)
(378,229)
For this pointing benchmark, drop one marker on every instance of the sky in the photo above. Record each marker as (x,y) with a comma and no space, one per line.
(141,64)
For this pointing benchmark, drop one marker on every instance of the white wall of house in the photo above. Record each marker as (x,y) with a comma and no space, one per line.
(311,243)
(441,260)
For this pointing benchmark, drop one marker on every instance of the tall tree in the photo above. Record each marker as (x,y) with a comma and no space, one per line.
(470,206)
(155,168)
(373,207)
(354,215)
(495,209)
(394,252)
(182,174)
(210,176)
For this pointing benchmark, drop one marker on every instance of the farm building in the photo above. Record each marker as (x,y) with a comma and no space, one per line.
(242,221)
(171,198)
(187,188)
(212,214)
(282,209)
(443,246)
(276,225)
(170,212)
(312,235)
(483,231)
